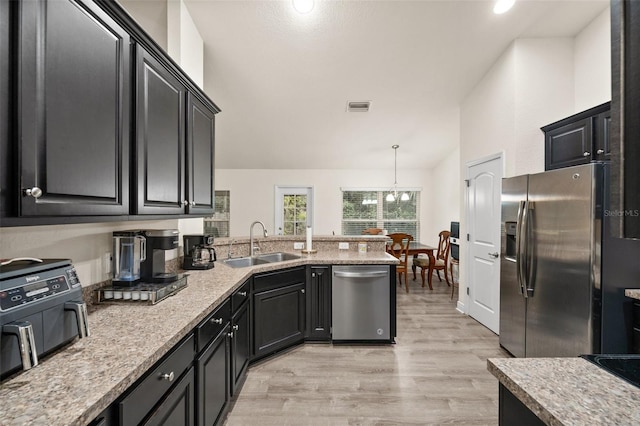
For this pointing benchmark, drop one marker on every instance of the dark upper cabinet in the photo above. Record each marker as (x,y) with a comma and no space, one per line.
(625,125)
(200,157)
(579,139)
(319,303)
(160,138)
(72,110)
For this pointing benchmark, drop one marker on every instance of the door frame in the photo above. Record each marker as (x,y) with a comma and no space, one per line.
(279,191)
(463,297)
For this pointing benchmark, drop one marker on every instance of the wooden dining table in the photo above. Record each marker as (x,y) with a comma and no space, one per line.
(415,248)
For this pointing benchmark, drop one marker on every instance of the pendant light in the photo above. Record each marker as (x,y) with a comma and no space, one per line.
(393,196)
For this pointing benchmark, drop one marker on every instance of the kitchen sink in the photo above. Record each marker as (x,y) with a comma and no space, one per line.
(243,262)
(626,367)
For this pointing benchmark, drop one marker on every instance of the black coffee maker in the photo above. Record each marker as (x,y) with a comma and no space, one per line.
(158,241)
(198,252)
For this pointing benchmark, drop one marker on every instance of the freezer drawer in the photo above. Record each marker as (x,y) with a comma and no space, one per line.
(361,303)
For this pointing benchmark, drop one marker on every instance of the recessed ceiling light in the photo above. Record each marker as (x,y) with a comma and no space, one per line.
(303,6)
(502,6)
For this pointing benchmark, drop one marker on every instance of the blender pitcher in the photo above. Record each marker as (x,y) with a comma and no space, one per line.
(129,249)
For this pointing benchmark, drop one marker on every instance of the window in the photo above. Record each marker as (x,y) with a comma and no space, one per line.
(293,209)
(363,209)
(218,224)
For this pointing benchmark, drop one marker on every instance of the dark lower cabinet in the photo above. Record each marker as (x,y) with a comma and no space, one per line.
(319,303)
(240,344)
(279,303)
(513,412)
(579,139)
(213,387)
(72,121)
(177,408)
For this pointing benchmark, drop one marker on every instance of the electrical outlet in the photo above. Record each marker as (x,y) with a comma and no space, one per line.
(106,263)
(343,246)
(298,246)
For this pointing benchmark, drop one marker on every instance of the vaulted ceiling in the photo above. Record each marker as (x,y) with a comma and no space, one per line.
(283,79)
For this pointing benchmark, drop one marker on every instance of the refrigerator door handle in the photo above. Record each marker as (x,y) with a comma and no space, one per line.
(520,239)
(528,256)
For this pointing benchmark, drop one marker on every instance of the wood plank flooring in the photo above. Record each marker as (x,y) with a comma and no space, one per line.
(436,374)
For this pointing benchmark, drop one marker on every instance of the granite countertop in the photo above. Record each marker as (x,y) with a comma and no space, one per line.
(633,293)
(77,383)
(569,391)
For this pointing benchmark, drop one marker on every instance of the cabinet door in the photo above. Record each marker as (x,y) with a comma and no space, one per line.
(602,133)
(278,318)
(178,407)
(319,303)
(160,137)
(73,73)
(200,157)
(569,145)
(239,348)
(213,380)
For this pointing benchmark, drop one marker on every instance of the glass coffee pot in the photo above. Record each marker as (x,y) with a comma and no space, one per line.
(129,250)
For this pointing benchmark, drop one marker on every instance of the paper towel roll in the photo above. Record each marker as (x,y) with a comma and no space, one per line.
(308,247)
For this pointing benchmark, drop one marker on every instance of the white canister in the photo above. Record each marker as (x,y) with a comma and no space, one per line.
(362,248)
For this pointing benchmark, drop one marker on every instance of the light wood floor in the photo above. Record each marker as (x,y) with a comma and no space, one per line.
(436,374)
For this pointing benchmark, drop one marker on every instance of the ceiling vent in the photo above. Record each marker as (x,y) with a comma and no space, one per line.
(358,106)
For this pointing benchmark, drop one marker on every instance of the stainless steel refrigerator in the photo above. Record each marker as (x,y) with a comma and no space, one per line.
(550,283)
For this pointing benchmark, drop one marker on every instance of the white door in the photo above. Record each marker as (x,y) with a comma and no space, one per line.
(483,218)
(294,210)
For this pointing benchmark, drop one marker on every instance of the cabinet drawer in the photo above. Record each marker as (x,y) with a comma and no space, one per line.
(213,325)
(240,296)
(150,390)
(277,279)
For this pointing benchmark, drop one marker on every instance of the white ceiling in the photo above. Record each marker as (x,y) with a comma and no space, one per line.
(283,79)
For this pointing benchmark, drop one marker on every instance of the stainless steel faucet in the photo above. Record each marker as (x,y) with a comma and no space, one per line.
(230,252)
(251,245)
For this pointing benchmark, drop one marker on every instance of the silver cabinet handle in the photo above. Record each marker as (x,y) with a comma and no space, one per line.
(168,377)
(361,274)
(34,192)
(494,255)
(600,151)
(216,320)
(26,340)
(230,335)
(235,327)
(80,309)
(242,293)
(586,154)
(193,203)
(185,203)
(302,291)
(313,275)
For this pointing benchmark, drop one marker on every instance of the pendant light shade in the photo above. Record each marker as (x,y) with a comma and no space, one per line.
(393,196)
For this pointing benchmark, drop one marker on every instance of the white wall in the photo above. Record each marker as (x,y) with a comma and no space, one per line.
(253,193)
(593,63)
(185,44)
(535,82)
(152,17)
(444,206)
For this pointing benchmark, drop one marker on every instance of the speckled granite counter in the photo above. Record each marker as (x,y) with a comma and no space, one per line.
(633,293)
(569,391)
(78,383)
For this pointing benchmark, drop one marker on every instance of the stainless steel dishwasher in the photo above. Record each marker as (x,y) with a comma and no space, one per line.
(361,303)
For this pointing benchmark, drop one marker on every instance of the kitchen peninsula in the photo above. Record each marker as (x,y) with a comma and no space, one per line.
(127,340)
(562,391)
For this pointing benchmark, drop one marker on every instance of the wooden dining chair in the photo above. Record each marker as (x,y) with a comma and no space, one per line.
(441,258)
(399,248)
(372,231)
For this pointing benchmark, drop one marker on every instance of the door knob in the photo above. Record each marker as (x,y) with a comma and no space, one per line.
(494,255)
(600,151)
(586,154)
